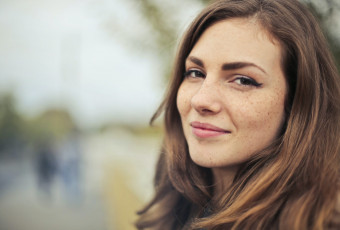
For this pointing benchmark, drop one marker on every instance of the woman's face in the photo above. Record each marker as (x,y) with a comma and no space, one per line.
(231,101)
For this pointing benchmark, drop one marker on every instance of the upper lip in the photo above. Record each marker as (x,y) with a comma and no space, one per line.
(207,126)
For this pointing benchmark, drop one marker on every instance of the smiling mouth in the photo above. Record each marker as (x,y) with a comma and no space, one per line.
(205,130)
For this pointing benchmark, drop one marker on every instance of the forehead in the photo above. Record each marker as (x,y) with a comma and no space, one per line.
(238,39)
(252,24)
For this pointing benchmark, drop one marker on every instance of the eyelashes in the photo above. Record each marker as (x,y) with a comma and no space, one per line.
(194,73)
(247,81)
(240,79)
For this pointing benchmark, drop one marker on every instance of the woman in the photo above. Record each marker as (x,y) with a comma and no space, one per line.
(251,123)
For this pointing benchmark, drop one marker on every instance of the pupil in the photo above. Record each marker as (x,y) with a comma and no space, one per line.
(245,81)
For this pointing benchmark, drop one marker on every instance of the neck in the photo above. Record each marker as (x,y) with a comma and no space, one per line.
(223,178)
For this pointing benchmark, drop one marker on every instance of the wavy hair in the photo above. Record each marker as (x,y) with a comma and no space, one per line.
(291,184)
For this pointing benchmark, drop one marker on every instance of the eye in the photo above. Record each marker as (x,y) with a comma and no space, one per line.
(247,81)
(194,73)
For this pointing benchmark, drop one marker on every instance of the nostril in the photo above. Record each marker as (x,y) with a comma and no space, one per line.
(206,110)
(206,105)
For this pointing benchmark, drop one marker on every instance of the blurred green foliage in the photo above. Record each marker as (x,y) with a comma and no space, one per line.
(51,125)
(164,27)
(11,124)
(327,18)
(17,133)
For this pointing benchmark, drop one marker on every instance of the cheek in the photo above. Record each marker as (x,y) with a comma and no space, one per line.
(183,100)
(264,114)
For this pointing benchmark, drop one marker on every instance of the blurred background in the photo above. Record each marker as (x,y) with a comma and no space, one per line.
(79,80)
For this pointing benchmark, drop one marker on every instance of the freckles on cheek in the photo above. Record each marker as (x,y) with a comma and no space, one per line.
(183,100)
(183,105)
(261,114)
(180,100)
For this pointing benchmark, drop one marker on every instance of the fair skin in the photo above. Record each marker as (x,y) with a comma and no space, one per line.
(231,101)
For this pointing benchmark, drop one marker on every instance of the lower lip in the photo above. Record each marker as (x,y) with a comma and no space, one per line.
(205,133)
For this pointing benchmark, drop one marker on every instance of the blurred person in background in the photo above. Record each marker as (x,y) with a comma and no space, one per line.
(46,166)
(251,123)
(69,167)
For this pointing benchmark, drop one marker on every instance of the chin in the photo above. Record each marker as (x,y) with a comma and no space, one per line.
(206,161)
(209,159)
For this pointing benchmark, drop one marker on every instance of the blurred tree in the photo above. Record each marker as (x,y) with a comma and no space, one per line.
(17,133)
(11,125)
(162,21)
(150,27)
(328,13)
(164,35)
(51,125)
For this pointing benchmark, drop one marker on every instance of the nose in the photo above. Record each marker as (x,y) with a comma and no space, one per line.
(207,100)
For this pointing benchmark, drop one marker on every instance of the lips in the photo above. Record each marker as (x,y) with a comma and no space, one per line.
(205,130)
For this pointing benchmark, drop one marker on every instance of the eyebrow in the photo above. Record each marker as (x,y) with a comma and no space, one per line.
(196,61)
(228,66)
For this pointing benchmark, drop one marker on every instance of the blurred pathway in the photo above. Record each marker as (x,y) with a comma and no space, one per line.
(118,168)
(24,207)
(129,162)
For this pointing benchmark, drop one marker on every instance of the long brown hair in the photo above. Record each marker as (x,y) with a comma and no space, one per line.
(294,182)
